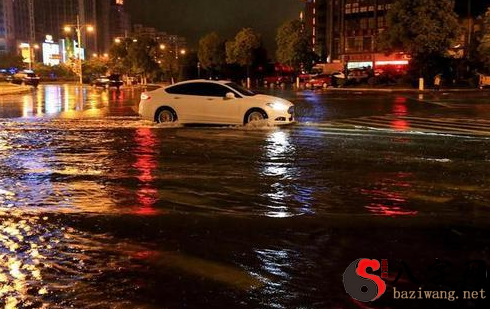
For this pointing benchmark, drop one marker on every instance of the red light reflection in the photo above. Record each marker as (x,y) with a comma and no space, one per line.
(400,109)
(145,164)
(388,202)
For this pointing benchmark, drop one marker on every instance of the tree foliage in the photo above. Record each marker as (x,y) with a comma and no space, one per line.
(484,47)
(423,28)
(135,56)
(241,49)
(95,67)
(211,52)
(294,46)
(11,60)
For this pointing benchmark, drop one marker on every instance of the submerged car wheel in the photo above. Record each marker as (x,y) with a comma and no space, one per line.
(255,115)
(165,115)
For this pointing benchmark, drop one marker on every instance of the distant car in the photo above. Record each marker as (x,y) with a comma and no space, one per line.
(358,75)
(25,78)
(319,81)
(278,80)
(111,81)
(213,102)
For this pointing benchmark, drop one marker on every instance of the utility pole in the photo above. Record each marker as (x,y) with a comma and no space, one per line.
(470,31)
(79,34)
(32,32)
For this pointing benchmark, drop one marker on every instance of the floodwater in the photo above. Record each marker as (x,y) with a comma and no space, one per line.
(99,209)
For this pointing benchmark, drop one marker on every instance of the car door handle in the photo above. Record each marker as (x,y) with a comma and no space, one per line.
(210,99)
(176,98)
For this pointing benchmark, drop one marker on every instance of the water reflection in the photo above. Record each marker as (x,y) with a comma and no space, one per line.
(21,261)
(400,109)
(278,151)
(146,164)
(280,166)
(388,197)
(277,265)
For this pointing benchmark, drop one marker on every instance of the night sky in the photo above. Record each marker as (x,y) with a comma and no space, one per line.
(195,18)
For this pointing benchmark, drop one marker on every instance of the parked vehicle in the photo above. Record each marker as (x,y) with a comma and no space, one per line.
(319,81)
(213,102)
(358,75)
(28,78)
(278,79)
(111,81)
(483,81)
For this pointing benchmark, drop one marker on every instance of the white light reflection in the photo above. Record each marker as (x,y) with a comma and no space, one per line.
(280,164)
(277,165)
(276,265)
(52,96)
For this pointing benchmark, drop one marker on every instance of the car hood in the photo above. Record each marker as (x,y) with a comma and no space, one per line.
(271,99)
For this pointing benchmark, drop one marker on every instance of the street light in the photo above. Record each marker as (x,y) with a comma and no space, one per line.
(183,52)
(78,29)
(162,46)
(117,40)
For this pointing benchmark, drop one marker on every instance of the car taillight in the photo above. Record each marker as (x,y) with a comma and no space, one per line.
(145,97)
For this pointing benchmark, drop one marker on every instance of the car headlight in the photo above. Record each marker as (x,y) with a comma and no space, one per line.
(278,106)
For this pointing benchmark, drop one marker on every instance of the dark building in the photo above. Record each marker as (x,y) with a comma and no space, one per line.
(7,29)
(112,22)
(50,17)
(30,21)
(345,31)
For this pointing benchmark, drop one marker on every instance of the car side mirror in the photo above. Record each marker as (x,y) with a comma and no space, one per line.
(230,96)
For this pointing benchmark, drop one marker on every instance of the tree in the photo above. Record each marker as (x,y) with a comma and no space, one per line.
(484,47)
(426,29)
(95,66)
(137,55)
(241,49)
(211,52)
(11,60)
(118,57)
(142,56)
(294,47)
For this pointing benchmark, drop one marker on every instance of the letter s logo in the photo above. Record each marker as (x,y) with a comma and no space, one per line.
(356,278)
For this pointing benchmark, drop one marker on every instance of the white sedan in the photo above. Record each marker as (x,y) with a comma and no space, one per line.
(213,102)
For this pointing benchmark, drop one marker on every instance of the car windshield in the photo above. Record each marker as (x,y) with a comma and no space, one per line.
(242,90)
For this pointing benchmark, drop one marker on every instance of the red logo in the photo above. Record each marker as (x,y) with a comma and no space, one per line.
(363,286)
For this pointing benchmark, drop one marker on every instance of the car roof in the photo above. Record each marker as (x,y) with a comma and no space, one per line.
(220,82)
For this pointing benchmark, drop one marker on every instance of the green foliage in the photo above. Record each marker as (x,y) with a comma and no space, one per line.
(294,47)
(423,28)
(118,57)
(484,47)
(95,67)
(142,55)
(211,52)
(134,56)
(241,49)
(11,60)
(55,72)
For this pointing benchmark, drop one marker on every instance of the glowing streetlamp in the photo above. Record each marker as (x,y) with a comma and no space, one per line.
(78,29)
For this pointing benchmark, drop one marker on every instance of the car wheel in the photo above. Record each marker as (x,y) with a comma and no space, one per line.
(255,115)
(165,115)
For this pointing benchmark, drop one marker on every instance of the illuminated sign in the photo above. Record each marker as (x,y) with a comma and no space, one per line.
(392,62)
(51,54)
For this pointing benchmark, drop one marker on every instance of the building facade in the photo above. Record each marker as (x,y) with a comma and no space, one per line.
(7,35)
(345,31)
(30,22)
(112,22)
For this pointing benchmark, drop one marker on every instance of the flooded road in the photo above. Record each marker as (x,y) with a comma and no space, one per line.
(99,209)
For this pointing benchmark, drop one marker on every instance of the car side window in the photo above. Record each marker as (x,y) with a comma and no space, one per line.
(200,89)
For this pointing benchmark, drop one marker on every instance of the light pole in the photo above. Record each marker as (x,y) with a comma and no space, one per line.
(78,29)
